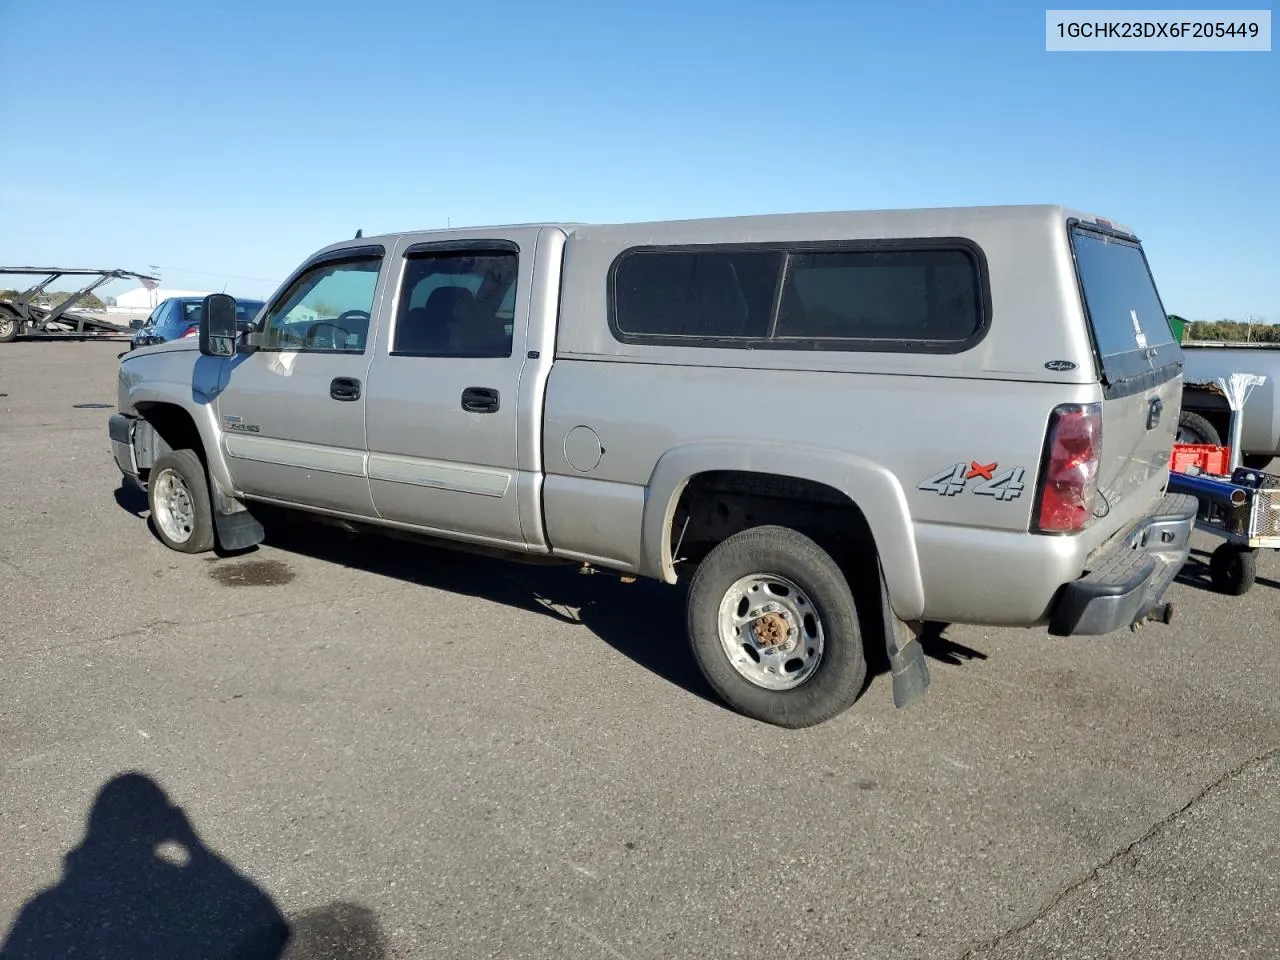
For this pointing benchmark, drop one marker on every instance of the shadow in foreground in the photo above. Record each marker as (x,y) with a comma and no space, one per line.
(142,885)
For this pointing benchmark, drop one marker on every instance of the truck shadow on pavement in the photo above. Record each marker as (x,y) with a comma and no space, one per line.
(644,621)
(143,885)
(132,500)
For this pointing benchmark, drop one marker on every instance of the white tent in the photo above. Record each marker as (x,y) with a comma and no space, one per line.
(140,299)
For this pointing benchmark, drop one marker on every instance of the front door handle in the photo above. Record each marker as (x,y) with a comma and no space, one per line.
(480,400)
(344,388)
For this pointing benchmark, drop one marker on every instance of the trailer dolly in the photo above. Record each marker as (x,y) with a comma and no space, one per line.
(22,317)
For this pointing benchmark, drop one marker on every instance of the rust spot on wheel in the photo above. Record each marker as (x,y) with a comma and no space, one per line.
(770,630)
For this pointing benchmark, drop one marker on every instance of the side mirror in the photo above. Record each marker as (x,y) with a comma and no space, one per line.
(135,323)
(218,326)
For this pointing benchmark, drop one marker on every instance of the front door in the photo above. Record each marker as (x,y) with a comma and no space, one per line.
(292,411)
(442,391)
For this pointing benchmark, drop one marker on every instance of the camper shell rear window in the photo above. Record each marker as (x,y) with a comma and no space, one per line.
(1130,328)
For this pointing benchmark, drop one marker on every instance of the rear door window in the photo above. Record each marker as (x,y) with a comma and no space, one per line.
(1131,330)
(457,304)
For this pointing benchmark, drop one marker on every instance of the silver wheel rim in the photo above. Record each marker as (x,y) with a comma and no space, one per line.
(7,324)
(770,631)
(174,510)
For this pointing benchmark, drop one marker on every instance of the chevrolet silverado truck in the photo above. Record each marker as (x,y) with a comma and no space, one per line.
(837,428)
(1206,414)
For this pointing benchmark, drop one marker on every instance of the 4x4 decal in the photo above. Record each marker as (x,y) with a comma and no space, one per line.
(1005,485)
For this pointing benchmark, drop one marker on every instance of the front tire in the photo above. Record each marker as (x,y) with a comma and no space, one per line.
(178,495)
(774,628)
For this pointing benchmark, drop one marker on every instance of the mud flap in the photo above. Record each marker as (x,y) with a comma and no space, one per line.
(907,665)
(237,531)
(236,527)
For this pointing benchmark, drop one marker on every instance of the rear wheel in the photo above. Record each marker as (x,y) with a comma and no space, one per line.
(774,628)
(178,495)
(1193,428)
(1233,569)
(9,327)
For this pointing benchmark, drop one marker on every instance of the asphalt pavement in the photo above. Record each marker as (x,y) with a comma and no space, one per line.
(347,747)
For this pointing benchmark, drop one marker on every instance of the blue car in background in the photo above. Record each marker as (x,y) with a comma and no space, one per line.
(179,317)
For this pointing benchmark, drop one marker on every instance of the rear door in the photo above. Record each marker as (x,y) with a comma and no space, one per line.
(443,398)
(1141,365)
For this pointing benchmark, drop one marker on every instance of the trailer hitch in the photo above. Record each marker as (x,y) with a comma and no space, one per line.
(1160,613)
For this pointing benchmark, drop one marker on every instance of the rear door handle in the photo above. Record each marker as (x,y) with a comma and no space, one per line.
(480,400)
(344,388)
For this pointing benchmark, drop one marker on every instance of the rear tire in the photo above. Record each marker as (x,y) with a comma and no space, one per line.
(1233,569)
(10,326)
(816,667)
(1193,428)
(178,495)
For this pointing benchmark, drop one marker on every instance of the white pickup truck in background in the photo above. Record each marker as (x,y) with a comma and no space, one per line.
(1206,415)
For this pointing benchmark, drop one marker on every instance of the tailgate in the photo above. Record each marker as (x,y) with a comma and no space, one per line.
(1140,363)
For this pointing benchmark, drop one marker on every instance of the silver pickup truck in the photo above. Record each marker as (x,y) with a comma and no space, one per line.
(1206,413)
(836,428)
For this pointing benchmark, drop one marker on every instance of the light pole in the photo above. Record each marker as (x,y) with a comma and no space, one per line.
(155,272)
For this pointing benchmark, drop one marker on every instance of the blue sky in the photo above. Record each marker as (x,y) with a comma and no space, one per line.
(234,138)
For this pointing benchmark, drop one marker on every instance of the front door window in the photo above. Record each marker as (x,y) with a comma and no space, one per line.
(326,309)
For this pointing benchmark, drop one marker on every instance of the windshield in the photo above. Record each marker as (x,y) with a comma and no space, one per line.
(1130,326)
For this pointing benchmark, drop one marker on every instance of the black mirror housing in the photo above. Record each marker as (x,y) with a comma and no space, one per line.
(135,323)
(218,326)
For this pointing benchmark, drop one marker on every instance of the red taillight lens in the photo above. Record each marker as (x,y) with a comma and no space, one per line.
(191,332)
(1069,480)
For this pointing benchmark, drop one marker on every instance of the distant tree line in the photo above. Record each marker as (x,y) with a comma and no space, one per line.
(1233,331)
(51,298)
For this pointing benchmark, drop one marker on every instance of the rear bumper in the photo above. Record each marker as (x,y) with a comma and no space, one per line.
(1127,581)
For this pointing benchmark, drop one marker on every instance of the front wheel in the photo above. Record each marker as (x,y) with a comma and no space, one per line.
(774,628)
(178,495)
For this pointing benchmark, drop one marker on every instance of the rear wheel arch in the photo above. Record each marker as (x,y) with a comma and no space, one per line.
(861,502)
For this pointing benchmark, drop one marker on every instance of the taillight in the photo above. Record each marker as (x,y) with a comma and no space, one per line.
(191,332)
(1069,476)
